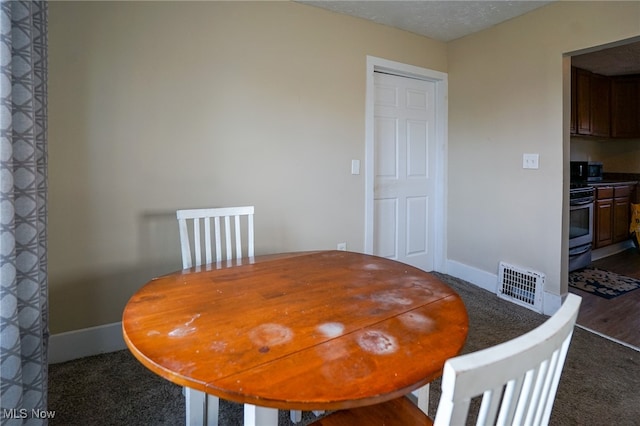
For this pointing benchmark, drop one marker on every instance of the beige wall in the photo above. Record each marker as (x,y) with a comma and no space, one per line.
(155,106)
(620,156)
(506,98)
(616,155)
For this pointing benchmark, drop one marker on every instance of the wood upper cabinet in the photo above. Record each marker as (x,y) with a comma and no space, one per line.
(605,106)
(574,114)
(583,102)
(600,94)
(625,107)
(591,103)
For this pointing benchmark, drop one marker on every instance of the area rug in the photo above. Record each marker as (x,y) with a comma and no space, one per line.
(602,283)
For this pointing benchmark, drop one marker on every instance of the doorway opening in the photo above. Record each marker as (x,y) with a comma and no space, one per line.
(605,81)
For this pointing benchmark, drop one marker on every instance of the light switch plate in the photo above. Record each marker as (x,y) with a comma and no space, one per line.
(355,167)
(530,161)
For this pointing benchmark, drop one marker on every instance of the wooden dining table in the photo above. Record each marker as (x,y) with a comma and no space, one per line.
(320,330)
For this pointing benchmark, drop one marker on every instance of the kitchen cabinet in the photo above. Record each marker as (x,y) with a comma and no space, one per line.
(591,103)
(604,106)
(625,107)
(612,214)
(603,221)
(574,104)
(621,213)
(600,90)
(583,102)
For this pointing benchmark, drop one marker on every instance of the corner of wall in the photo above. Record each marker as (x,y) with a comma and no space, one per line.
(551,303)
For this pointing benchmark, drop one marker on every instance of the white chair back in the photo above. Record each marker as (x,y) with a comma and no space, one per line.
(199,240)
(517,379)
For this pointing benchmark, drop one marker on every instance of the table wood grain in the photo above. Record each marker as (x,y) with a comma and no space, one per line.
(303,331)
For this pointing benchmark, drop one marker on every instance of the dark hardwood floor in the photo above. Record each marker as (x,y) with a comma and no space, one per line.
(619,317)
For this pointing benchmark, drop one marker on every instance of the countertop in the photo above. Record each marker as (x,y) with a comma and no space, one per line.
(613,182)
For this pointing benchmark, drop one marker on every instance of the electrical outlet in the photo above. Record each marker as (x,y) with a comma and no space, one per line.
(342,246)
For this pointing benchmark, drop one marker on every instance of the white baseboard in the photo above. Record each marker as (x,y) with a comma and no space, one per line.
(478,277)
(85,342)
(488,281)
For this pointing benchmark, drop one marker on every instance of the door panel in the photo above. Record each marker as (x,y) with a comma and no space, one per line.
(417,150)
(404,138)
(386,149)
(417,235)
(386,212)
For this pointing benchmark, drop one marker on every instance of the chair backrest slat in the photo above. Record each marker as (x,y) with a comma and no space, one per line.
(250,247)
(227,236)
(185,247)
(216,220)
(207,241)
(196,236)
(238,237)
(197,239)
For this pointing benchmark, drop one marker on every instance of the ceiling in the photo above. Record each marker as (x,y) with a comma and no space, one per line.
(450,20)
(436,19)
(619,60)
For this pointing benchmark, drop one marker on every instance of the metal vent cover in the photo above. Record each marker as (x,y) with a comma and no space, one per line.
(521,286)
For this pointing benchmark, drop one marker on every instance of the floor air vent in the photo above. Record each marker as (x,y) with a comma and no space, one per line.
(521,286)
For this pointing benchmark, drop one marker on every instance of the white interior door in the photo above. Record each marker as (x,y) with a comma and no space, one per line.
(404,169)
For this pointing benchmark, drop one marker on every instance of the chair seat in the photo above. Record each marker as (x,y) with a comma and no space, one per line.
(397,412)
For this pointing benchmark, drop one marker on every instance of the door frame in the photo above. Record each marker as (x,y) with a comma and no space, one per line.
(440,174)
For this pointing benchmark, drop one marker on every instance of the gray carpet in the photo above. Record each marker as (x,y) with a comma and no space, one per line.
(600,383)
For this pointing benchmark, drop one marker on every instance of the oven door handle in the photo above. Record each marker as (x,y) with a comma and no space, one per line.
(581,202)
(583,250)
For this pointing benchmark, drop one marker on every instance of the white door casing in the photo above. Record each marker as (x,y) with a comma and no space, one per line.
(405,164)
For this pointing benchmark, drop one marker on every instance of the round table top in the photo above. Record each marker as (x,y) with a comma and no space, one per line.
(304,331)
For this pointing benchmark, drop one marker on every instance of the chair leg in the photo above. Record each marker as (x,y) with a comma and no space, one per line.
(423,399)
(213,407)
(260,416)
(201,408)
(296,416)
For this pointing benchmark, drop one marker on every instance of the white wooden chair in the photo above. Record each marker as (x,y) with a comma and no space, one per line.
(199,240)
(517,380)
(208,235)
